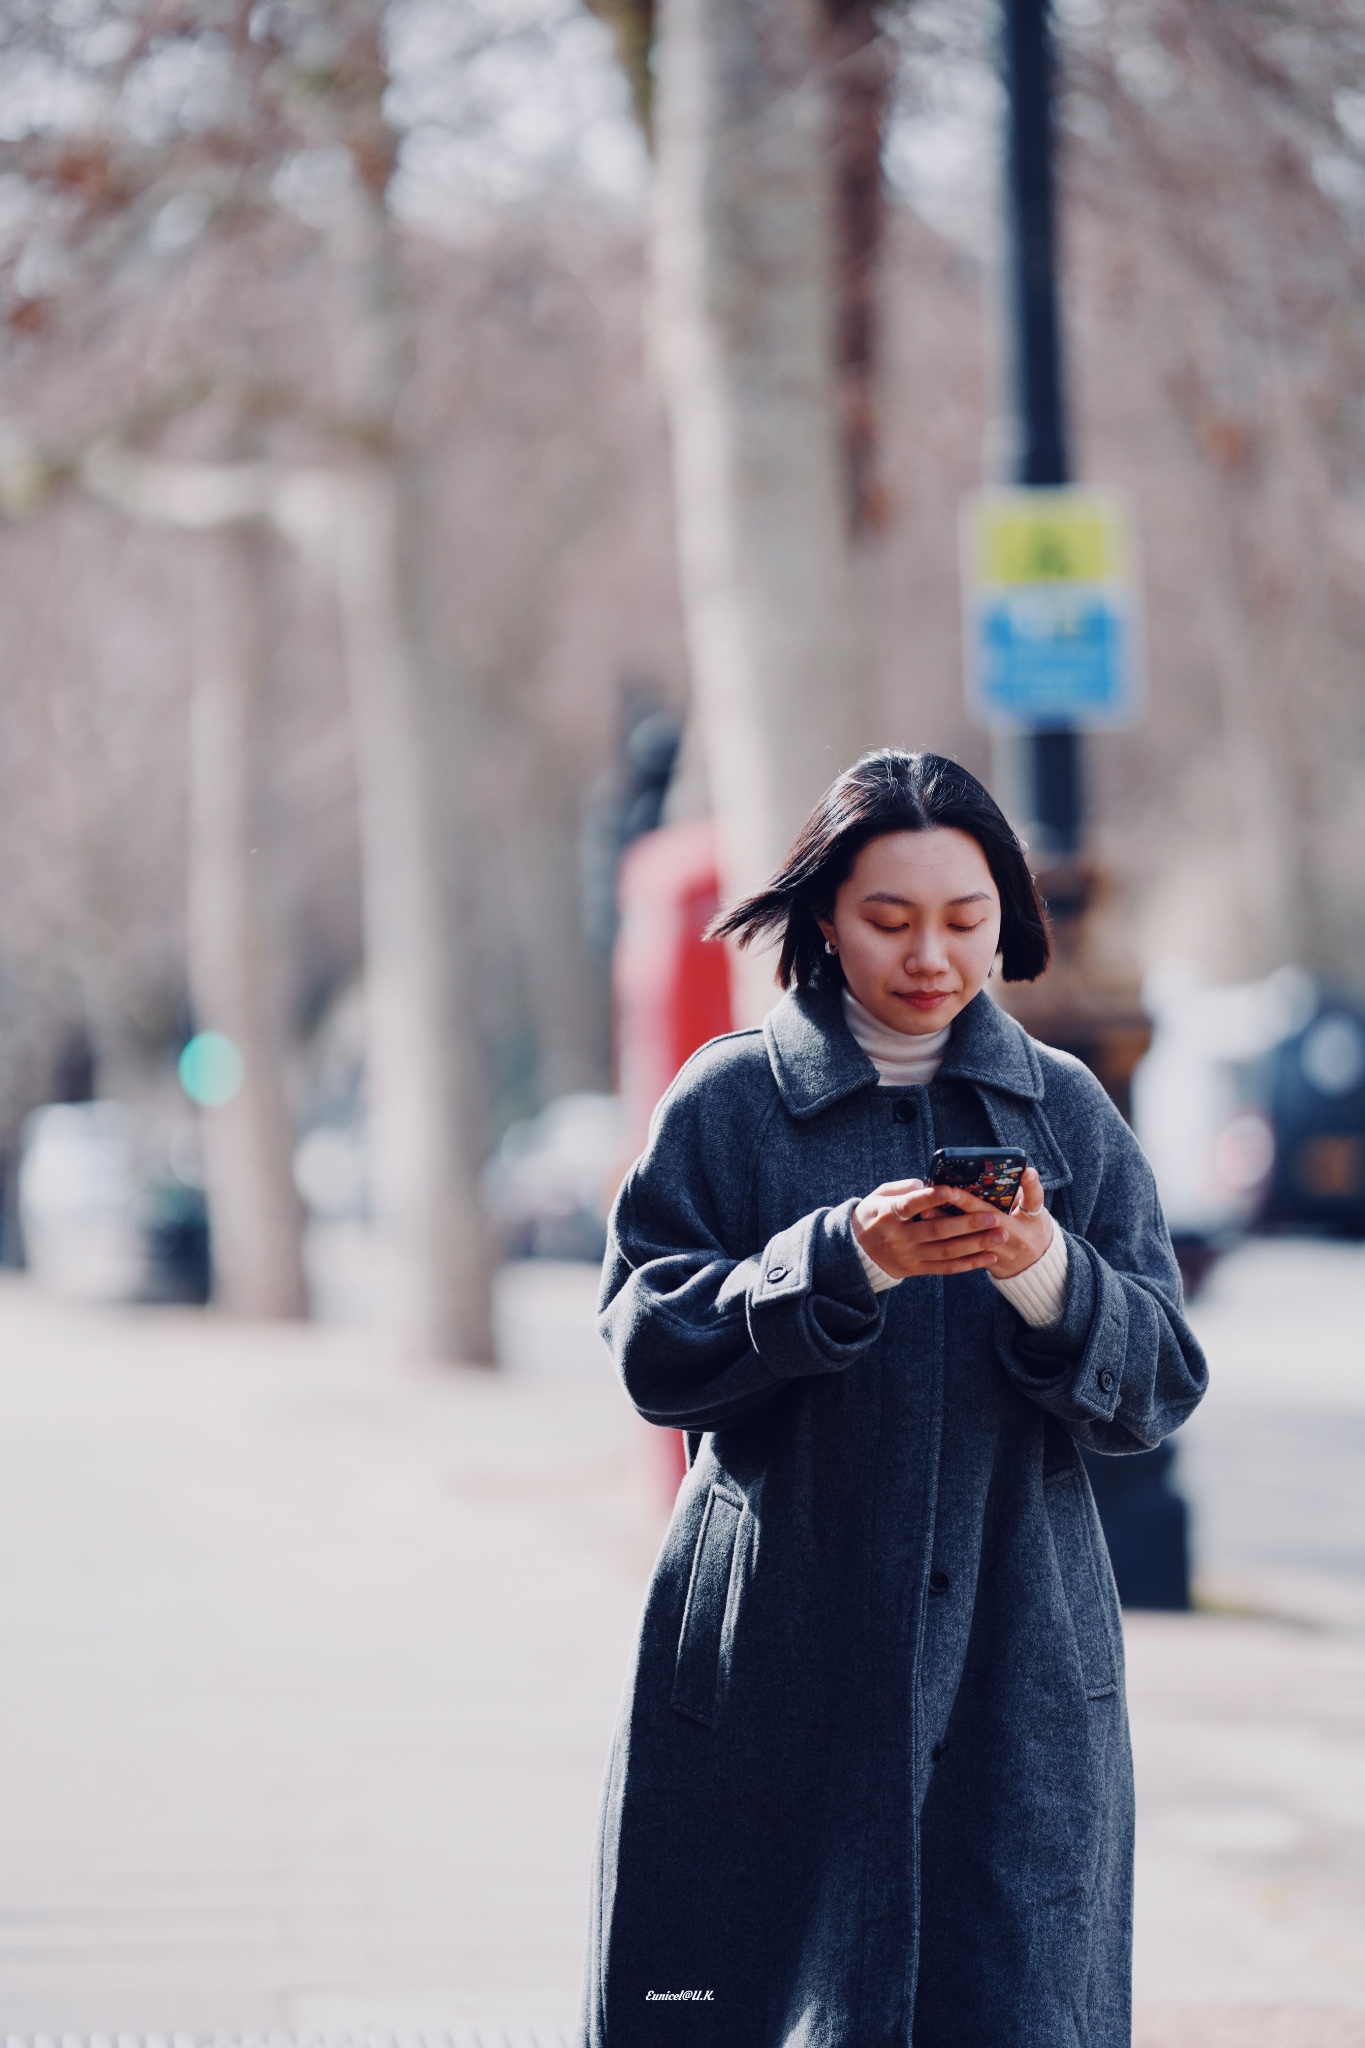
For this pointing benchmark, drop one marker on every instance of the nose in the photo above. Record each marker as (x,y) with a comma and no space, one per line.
(925,953)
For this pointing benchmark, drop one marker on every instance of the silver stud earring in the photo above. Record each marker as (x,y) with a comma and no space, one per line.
(830,946)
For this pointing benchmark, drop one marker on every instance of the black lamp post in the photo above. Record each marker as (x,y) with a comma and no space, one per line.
(1050,770)
(1144,1517)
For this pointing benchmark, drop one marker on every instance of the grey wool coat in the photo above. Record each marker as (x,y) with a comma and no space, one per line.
(871,1782)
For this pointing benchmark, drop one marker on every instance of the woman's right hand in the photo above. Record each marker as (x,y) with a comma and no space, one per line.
(897,1226)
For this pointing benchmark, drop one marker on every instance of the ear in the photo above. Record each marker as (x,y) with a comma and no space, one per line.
(825,926)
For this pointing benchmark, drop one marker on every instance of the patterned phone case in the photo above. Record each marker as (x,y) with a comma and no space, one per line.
(995,1176)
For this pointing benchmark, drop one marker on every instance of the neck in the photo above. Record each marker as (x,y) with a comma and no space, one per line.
(900,1057)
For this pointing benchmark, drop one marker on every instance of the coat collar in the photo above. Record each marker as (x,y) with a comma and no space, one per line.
(815,1061)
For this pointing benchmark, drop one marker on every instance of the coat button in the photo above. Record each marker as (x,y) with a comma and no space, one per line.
(939,1582)
(905,1112)
(776,1273)
(939,1751)
(1106,1377)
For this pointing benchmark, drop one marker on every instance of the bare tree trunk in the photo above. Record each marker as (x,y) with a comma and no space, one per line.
(423,1072)
(425,1079)
(426,1082)
(746,311)
(253,1208)
(858,65)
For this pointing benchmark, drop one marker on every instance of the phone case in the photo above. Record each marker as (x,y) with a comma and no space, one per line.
(994,1173)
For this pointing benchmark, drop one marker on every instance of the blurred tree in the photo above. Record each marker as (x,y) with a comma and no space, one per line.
(235,969)
(1214,266)
(765,123)
(426,1087)
(173,197)
(233,947)
(1221,150)
(227,103)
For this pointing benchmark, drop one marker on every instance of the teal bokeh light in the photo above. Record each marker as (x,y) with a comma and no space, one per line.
(211,1069)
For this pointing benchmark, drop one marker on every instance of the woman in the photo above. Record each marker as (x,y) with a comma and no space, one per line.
(871,1782)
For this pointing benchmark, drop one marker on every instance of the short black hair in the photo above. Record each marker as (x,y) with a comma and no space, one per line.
(888,791)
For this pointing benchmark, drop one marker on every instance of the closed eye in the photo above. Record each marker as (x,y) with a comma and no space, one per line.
(878,926)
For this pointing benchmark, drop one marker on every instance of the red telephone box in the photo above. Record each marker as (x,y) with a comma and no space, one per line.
(672,993)
(672,989)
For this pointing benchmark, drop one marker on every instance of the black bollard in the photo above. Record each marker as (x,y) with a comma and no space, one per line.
(1146,1526)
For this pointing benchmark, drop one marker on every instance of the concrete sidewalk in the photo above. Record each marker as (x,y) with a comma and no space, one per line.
(1249,1748)
(311,1661)
(1249,1734)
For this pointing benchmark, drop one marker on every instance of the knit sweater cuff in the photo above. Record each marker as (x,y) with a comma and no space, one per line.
(1039,1292)
(878,1276)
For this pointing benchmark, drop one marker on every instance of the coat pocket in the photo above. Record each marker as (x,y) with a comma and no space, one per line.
(696,1676)
(1083,1571)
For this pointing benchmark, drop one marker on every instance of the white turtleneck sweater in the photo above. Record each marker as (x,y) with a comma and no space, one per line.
(903,1061)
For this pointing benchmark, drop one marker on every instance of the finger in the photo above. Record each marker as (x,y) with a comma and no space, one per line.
(970,1203)
(1031,1202)
(916,1201)
(960,1248)
(979,1264)
(897,1187)
(932,1228)
(927,1246)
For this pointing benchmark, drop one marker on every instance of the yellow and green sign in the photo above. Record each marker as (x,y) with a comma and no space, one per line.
(1050,609)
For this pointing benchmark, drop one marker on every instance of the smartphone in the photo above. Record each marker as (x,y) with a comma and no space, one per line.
(991,1171)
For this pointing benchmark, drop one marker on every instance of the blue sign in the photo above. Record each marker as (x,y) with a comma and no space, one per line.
(1043,663)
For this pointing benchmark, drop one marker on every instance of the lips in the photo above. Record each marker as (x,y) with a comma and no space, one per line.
(928,1001)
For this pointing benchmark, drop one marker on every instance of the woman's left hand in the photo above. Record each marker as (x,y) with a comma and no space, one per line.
(1027,1228)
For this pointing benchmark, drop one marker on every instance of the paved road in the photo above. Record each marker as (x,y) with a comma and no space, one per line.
(311,1661)
(1274,1460)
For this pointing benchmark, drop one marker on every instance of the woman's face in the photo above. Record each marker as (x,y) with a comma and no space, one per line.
(917,926)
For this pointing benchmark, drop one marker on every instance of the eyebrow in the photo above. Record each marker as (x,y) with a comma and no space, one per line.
(908,902)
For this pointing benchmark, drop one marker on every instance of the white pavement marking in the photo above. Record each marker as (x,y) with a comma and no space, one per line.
(1246,2026)
(453,2035)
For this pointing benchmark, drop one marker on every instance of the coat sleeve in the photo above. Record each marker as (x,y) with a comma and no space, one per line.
(1122,1368)
(705,1332)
